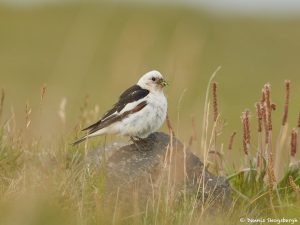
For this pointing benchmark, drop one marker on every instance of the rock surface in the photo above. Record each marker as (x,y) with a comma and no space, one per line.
(156,162)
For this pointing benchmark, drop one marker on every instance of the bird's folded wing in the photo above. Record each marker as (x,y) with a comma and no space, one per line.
(128,100)
(117,117)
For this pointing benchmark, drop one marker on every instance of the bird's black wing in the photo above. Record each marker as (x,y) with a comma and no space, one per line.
(111,120)
(132,94)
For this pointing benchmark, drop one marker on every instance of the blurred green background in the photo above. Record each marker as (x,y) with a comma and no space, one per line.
(99,49)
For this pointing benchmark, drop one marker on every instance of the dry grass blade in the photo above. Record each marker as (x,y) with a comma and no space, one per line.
(28,111)
(62,111)
(231,140)
(283,131)
(193,137)
(43,92)
(2,102)
(170,127)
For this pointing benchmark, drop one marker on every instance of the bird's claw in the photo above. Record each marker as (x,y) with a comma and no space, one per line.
(139,143)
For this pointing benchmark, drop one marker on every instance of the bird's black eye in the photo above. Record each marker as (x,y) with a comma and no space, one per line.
(153,78)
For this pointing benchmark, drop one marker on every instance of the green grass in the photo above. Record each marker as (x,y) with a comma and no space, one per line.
(53,183)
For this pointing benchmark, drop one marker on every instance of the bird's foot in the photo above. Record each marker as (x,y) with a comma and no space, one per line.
(139,143)
(134,141)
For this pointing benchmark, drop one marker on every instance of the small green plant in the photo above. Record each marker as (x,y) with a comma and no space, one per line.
(262,186)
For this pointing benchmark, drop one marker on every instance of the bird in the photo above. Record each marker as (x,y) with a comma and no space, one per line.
(140,110)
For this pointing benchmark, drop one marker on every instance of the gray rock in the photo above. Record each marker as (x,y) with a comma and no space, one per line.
(155,163)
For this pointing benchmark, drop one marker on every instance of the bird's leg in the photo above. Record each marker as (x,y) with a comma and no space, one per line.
(132,139)
(139,139)
(135,142)
(142,142)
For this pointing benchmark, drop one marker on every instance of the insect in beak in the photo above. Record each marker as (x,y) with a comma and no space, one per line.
(162,82)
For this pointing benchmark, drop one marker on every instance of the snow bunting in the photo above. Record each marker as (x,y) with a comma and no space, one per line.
(140,111)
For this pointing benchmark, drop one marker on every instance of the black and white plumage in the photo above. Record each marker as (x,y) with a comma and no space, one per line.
(140,111)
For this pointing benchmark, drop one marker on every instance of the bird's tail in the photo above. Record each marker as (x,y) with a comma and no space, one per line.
(89,135)
(80,140)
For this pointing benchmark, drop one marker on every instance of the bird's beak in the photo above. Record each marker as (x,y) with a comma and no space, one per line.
(162,82)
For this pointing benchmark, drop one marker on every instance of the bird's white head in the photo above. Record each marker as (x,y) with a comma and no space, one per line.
(152,81)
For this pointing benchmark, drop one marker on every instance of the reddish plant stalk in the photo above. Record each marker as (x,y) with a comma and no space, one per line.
(260,151)
(246,131)
(267,90)
(265,123)
(294,143)
(269,119)
(231,140)
(273,106)
(268,108)
(247,124)
(258,160)
(259,117)
(286,103)
(215,100)
(270,168)
(215,118)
